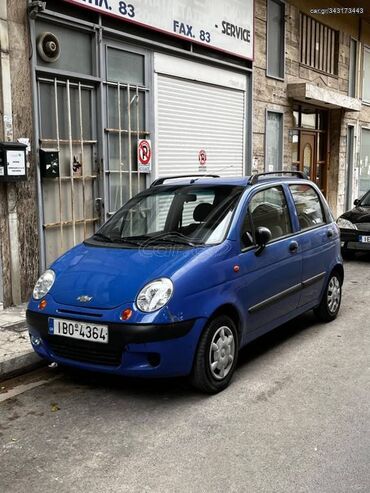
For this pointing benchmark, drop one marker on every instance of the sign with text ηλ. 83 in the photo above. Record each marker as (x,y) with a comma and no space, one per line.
(144,155)
(225,25)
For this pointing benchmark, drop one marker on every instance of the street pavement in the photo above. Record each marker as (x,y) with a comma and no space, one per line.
(16,353)
(295,419)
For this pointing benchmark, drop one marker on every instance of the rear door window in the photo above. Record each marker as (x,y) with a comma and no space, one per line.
(308,204)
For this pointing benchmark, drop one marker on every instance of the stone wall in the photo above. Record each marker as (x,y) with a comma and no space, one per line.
(20,51)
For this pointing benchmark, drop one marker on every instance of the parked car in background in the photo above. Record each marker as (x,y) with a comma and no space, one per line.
(187,273)
(355,228)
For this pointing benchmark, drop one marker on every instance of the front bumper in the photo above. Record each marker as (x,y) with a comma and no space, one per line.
(157,350)
(351,239)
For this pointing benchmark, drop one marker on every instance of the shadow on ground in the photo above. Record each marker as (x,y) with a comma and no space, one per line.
(178,386)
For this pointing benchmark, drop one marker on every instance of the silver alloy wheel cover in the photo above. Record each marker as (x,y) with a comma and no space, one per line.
(334,294)
(221,352)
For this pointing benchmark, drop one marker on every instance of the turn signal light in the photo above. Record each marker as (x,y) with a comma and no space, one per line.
(126,314)
(42,304)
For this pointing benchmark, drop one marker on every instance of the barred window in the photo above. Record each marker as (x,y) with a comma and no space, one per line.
(319,45)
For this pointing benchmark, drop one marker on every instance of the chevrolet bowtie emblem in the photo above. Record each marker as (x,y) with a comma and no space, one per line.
(84,299)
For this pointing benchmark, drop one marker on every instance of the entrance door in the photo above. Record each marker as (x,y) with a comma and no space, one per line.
(311,126)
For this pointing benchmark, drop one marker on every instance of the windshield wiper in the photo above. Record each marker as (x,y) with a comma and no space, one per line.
(174,237)
(106,238)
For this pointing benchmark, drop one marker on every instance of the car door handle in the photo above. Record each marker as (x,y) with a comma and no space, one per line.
(329,233)
(293,247)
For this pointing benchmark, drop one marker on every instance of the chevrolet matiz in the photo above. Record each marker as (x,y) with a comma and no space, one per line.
(188,272)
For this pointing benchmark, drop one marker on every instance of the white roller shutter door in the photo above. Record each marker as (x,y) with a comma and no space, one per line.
(196,115)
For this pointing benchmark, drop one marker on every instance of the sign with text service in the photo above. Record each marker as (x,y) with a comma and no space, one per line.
(225,25)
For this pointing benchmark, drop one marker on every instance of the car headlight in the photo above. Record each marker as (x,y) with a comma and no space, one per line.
(154,295)
(44,284)
(345,224)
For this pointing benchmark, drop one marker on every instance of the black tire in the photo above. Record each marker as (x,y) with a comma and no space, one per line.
(205,378)
(348,254)
(329,308)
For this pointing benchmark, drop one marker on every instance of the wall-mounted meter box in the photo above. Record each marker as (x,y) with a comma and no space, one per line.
(13,162)
(49,163)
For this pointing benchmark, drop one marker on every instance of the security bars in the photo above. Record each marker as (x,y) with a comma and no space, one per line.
(67,124)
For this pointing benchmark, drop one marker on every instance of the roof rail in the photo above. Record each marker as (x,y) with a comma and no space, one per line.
(254,178)
(160,181)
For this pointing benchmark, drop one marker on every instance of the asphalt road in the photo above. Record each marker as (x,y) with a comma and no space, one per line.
(295,419)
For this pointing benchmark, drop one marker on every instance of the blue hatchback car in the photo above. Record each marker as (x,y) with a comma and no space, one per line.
(187,273)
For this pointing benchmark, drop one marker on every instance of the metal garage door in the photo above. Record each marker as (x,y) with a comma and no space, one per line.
(196,116)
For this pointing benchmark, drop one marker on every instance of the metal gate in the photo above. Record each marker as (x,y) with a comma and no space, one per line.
(67,123)
(126,96)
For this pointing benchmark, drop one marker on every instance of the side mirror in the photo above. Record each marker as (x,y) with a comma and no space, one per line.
(356,202)
(263,236)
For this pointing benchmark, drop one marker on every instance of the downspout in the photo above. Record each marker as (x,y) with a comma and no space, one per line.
(11,188)
(36,139)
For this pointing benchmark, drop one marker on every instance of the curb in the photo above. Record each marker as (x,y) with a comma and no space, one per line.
(20,364)
(22,359)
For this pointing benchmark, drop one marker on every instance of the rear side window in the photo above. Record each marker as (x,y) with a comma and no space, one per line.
(308,205)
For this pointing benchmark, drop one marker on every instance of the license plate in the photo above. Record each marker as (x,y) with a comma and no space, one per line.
(78,330)
(365,239)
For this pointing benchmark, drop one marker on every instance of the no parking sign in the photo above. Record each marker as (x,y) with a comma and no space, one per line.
(144,155)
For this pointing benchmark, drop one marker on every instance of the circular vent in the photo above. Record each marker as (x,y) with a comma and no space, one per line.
(48,47)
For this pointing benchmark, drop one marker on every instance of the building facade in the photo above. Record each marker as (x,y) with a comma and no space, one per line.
(311,94)
(113,94)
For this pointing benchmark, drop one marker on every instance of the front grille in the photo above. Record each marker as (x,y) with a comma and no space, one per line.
(363,227)
(75,312)
(98,354)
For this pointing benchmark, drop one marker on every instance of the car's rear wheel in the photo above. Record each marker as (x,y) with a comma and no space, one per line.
(330,303)
(216,356)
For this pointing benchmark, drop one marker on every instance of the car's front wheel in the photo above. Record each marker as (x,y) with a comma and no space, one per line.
(216,356)
(332,297)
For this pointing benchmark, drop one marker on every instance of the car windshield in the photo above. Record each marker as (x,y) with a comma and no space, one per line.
(186,215)
(365,202)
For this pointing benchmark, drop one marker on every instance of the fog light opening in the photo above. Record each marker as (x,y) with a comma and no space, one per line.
(154,359)
(35,341)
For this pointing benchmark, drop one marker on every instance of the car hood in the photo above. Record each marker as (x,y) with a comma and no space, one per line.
(112,276)
(358,215)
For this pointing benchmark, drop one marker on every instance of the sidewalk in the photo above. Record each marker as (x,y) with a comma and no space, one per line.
(16,353)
